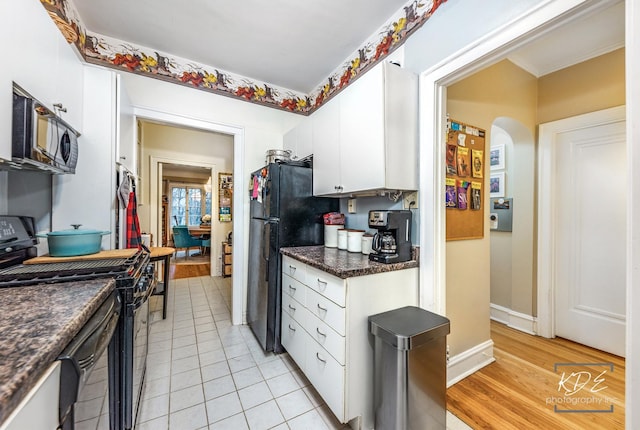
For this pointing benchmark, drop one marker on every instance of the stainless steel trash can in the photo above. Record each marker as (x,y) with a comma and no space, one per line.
(410,369)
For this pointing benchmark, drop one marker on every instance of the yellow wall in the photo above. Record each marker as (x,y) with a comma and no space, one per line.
(505,90)
(500,90)
(586,87)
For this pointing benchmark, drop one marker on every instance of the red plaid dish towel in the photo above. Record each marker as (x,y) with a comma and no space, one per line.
(134,237)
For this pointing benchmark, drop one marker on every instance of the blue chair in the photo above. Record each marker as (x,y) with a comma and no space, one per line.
(182,239)
(206,243)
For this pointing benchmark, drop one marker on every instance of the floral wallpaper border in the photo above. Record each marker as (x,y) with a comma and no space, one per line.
(145,61)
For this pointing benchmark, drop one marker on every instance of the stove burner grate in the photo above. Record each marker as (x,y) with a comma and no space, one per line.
(67,271)
(69,267)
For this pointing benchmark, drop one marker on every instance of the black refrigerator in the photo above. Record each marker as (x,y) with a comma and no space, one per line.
(283,213)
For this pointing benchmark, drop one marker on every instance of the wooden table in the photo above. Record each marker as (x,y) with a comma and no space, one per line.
(162,254)
(200,230)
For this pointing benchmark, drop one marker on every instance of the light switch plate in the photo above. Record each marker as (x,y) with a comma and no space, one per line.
(408,198)
(351,206)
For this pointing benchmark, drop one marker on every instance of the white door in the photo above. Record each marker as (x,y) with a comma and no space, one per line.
(590,234)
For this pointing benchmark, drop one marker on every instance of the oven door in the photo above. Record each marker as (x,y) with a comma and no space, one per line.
(140,345)
(84,371)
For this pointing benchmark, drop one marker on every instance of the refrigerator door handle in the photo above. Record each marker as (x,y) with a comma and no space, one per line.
(265,243)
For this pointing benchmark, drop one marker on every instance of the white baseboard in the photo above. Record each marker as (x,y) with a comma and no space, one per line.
(462,365)
(519,321)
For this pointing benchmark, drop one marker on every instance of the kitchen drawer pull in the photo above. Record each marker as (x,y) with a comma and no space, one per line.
(292,308)
(320,333)
(321,308)
(320,358)
(291,328)
(320,282)
(291,287)
(292,268)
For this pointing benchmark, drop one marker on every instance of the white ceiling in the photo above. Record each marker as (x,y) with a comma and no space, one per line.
(288,43)
(297,44)
(572,43)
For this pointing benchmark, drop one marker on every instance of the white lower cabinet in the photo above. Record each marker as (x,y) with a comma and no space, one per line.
(325,330)
(39,408)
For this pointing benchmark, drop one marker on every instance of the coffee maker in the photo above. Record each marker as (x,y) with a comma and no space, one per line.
(392,242)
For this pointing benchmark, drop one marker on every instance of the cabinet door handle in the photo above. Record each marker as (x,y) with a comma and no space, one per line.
(291,328)
(320,333)
(292,308)
(320,358)
(321,308)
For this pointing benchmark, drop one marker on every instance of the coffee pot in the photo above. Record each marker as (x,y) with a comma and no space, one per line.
(392,241)
(384,243)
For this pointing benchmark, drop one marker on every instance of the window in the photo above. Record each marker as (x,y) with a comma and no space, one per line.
(189,203)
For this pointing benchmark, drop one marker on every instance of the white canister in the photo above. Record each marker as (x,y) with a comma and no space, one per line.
(331,235)
(342,239)
(354,240)
(366,240)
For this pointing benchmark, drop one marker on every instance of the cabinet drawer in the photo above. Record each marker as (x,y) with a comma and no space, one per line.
(327,377)
(228,259)
(295,309)
(326,337)
(226,248)
(294,339)
(326,311)
(329,286)
(294,268)
(293,288)
(227,270)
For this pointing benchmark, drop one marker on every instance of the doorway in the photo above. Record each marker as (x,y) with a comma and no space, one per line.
(237,138)
(434,84)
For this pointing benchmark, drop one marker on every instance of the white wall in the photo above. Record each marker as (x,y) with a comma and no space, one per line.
(87,197)
(456,25)
(263,129)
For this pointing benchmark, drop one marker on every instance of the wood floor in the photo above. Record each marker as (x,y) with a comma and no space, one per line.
(179,271)
(524,388)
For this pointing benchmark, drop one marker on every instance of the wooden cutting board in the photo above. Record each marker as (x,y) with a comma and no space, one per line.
(111,253)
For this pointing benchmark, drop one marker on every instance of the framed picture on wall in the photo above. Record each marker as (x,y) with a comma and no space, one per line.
(497,185)
(225,194)
(496,157)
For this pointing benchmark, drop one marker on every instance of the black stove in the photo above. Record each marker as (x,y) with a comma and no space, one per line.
(135,281)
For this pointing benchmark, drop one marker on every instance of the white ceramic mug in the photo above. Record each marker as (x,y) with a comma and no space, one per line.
(342,239)
(366,240)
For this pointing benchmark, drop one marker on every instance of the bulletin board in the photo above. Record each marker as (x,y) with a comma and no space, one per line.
(465,181)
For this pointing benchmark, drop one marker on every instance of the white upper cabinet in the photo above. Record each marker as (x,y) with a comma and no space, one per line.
(326,148)
(298,140)
(69,84)
(38,58)
(126,146)
(369,140)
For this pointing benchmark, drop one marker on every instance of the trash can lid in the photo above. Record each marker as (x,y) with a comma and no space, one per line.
(408,327)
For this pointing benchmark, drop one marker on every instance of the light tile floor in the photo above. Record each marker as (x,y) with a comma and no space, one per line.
(205,373)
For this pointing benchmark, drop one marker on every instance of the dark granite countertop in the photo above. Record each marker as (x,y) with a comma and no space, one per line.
(342,264)
(36,324)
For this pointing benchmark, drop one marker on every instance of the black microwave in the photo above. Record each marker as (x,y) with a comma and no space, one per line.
(41,140)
